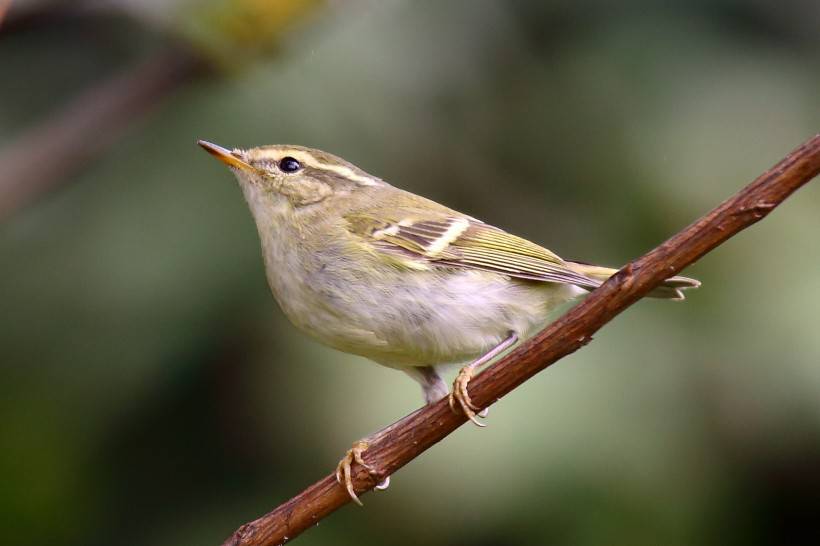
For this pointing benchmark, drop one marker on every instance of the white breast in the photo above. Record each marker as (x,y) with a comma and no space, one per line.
(398,318)
(425,318)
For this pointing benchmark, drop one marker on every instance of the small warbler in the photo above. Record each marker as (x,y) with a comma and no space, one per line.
(376,271)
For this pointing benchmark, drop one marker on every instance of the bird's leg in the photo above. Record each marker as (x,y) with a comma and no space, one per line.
(433,386)
(344,474)
(460,393)
(434,389)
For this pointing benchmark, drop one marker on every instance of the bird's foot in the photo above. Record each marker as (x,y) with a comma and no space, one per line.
(344,474)
(461,396)
(464,376)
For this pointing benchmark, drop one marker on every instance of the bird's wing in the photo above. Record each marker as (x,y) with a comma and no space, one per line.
(423,238)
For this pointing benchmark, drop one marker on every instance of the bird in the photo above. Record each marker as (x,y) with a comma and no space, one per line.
(373,270)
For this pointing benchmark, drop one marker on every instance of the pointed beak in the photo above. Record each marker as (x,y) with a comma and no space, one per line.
(226,156)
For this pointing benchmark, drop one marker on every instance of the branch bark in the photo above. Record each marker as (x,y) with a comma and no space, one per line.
(401,442)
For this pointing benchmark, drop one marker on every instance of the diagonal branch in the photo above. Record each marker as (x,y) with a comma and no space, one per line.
(406,439)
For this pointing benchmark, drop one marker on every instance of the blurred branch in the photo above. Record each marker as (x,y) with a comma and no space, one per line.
(31,15)
(4,8)
(401,442)
(46,154)
(222,35)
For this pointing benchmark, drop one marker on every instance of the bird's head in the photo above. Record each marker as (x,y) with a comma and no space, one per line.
(291,175)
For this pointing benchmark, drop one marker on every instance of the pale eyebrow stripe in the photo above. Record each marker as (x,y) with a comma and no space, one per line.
(346,172)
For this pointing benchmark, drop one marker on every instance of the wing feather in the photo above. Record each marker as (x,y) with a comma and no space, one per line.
(450,240)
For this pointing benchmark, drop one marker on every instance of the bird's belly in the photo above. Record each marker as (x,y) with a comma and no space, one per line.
(425,318)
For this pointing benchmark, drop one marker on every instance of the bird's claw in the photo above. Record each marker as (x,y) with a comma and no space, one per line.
(344,474)
(461,396)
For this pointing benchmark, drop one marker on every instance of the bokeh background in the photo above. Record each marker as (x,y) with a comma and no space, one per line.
(152,393)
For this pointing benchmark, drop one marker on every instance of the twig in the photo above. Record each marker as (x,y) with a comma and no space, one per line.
(404,440)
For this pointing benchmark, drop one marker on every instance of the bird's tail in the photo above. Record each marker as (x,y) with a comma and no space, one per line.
(672,288)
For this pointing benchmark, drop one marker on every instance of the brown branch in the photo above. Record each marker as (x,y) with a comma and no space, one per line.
(404,440)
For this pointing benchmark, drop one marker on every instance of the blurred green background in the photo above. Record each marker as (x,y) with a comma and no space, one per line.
(151,393)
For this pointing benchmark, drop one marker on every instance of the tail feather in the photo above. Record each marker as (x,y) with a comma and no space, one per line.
(672,288)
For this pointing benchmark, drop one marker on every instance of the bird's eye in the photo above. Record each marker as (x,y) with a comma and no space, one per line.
(289,165)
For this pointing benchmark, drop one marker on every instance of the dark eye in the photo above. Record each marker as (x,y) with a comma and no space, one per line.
(289,165)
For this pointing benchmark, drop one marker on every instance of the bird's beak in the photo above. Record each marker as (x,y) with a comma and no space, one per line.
(226,156)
